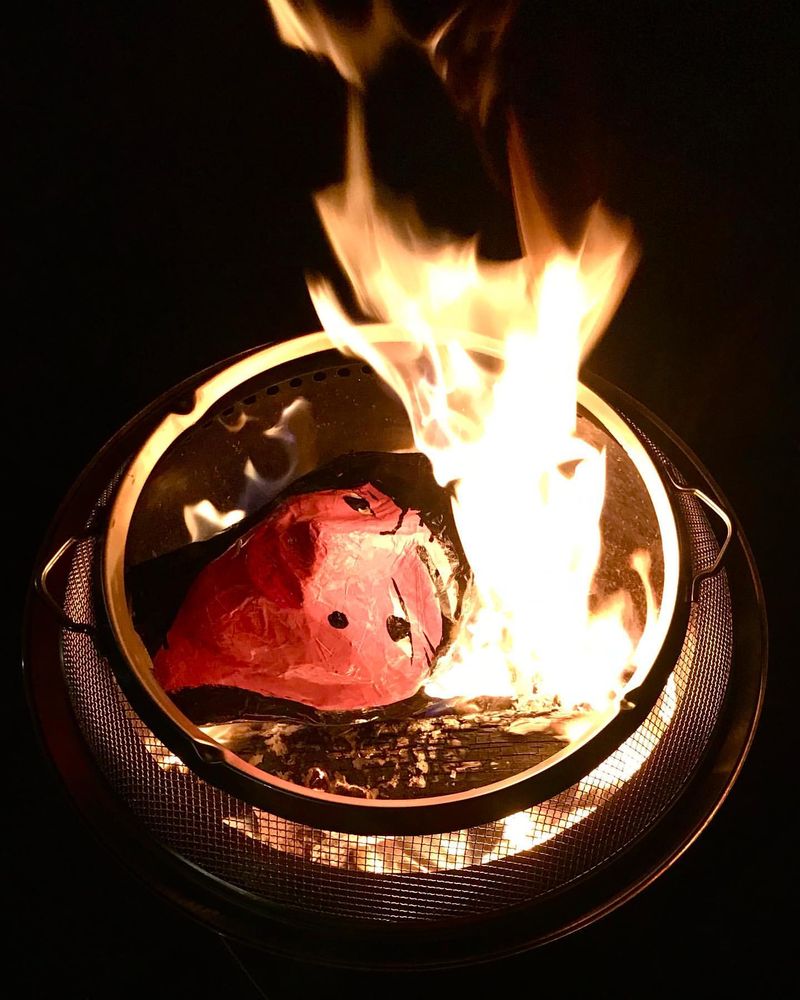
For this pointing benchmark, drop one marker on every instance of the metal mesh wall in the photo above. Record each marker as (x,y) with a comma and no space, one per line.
(413,878)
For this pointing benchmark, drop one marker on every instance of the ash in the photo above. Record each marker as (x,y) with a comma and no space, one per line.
(444,748)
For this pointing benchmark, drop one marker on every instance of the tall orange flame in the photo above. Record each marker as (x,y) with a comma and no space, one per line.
(496,434)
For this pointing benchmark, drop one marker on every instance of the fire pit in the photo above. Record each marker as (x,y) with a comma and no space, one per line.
(265,815)
(480,759)
(404,626)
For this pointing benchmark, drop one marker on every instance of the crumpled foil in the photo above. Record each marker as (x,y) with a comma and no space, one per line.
(336,599)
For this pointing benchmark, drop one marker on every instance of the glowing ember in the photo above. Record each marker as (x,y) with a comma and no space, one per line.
(166,760)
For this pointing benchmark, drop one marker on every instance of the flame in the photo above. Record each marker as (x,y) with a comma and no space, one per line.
(503,438)
(355,50)
(260,489)
(497,437)
(240,420)
(527,492)
(464,51)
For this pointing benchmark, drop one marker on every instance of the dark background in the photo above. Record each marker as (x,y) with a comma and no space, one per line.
(167,153)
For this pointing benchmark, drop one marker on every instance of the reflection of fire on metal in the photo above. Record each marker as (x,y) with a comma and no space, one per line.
(408,855)
(203,520)
(166,760)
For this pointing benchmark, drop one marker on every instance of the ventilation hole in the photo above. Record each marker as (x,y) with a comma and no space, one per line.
(184,405)
(273,390)
(229,412)
(249,400)
(338,619)
(320,376)
(295,382)
(343,373)
(367,370)
(398,628)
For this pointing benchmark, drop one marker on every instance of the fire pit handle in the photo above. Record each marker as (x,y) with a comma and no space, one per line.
(712,505)
(43,590)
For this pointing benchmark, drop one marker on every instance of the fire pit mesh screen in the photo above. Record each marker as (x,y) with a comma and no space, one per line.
(412,878)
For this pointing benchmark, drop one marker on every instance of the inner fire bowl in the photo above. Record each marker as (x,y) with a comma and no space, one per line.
(563,831)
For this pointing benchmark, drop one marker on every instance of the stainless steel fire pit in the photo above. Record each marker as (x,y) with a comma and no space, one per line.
(496,861)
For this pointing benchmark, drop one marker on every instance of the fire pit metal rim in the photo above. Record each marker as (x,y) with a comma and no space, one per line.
(58,730)
(319,808)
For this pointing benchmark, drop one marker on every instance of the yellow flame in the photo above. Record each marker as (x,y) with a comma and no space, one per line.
(527,491)
(354,49)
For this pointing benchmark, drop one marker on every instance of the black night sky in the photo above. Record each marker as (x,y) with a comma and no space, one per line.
(166,155)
